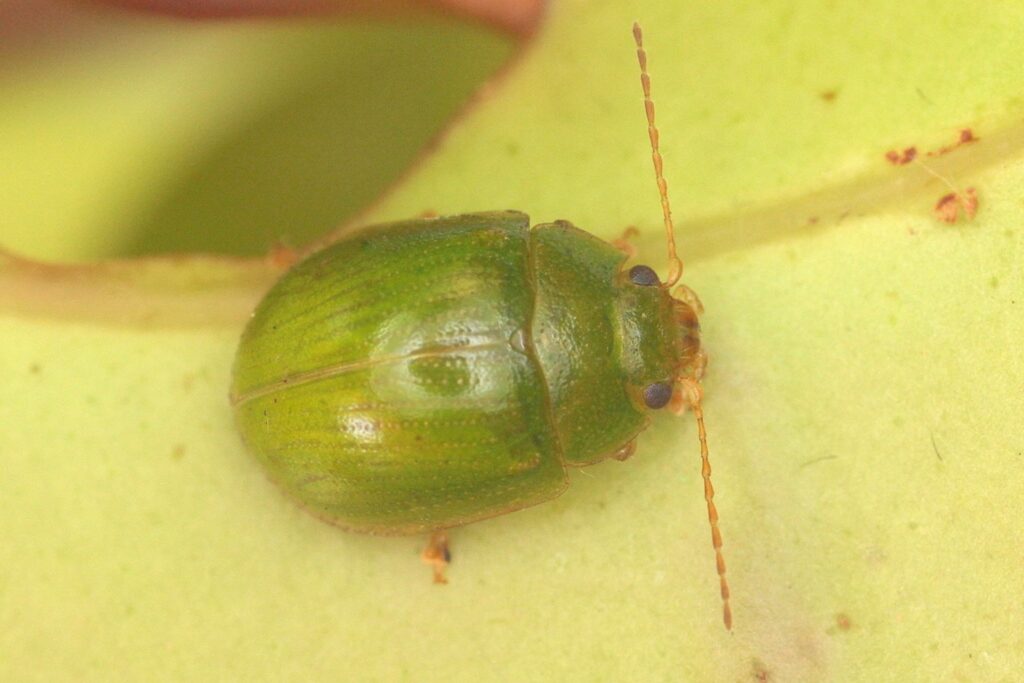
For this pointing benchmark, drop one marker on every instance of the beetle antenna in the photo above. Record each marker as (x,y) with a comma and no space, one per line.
(694,396)
(675,266)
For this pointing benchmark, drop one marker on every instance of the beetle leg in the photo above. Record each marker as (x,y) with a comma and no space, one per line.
(624,242)
(437,555)
(700,364)
(688,297)
(687,390)
(626,451)
(682,397)
(281,256)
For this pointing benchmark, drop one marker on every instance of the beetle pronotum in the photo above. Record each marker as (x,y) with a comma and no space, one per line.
(417,376)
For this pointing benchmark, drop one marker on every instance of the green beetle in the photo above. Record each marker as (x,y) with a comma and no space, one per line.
(421,375)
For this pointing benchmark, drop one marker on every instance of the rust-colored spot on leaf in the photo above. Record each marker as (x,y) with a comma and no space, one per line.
(969,202)
(901,158)
(946,208)
(843,622)
(898,158)
(966,137)
(759,672)
(949,206)
(829,95)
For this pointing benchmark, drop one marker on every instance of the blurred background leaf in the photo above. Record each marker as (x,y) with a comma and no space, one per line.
(143,135)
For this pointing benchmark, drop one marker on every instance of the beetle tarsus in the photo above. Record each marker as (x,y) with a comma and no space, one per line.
(437,555)
(624,242)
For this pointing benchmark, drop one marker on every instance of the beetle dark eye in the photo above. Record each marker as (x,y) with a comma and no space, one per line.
(643,276)
(657,395)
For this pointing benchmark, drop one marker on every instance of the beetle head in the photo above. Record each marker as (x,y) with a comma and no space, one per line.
(660,335)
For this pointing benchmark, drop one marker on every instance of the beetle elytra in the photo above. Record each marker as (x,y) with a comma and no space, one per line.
(421,375)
